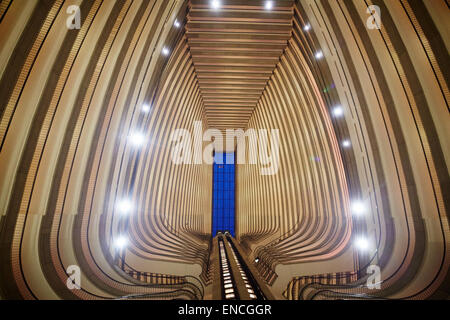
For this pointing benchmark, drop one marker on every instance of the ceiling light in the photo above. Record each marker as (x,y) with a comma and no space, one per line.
(176,24)
(346,143)
(269,5)
(307,27)
(338,111)
(137,139)
(124,207)
(165,51)
(215,4)
(362,243)
(146,108)
(121,242)
(319,55)
(358,208)
(256,260)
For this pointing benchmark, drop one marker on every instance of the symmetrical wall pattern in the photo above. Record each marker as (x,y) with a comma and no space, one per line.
(74,158)
(86,120)
(387,94)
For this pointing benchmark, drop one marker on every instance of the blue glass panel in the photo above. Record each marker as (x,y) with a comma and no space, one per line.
(223,193)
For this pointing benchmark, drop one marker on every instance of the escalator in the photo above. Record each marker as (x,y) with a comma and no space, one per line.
(236,278)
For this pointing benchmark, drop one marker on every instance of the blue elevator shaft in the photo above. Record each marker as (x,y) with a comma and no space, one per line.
(224,193)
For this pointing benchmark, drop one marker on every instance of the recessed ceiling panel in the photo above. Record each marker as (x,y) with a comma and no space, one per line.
(235,47)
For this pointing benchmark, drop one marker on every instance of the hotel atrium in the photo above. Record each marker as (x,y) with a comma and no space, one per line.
(224,149)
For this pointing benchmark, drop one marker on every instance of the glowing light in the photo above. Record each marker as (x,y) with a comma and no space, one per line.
(362,243)
(121,242)
(176,24)
(358,208)
(319,55)
(124,207)
(346,143)
(307,27)
(137,139)
(215,4)
(269,5)
(165,51)
(256,260)
(146,108)
(338,111)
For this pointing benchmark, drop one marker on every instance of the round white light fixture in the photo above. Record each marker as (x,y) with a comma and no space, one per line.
(319,55)
(256,260)
(121,242)
(358,208)
(124,207)
(137,139)
(176,24)
(269,5)
(346,143)
(338,111)
(307,27)
(362,243)
(146,108)
(165,51)
(215,4)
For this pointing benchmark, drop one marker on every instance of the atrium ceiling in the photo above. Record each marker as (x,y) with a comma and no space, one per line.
(235,49)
